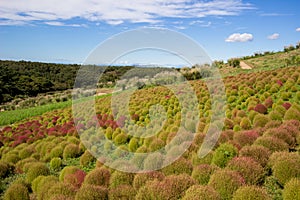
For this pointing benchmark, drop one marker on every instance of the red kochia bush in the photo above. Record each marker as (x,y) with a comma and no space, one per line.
(259,153)
(172,187)
(75,179)
(251,170)
(244,138)
(260,108)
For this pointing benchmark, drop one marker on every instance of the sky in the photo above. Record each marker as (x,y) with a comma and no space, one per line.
(68,31)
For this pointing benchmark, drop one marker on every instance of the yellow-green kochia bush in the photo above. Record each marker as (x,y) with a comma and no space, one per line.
(91,192)
(16,192)
(122,192)
(223,154)
(251,193)
(197,192)
(291,190)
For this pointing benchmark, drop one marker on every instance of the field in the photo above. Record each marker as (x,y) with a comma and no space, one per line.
(257,155)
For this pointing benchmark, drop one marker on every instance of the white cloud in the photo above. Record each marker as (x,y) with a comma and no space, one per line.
(240,37)
(298,29)
(58,23)
(116,12)
(274,36)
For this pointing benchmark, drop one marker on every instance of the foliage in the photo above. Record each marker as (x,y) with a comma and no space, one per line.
(223,154)
(91,192)
(98,176)
(291,190)
(201,192)
(17,192)
(250,193)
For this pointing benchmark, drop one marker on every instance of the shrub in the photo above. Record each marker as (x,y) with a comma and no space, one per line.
(291,190)
(26,152)
(153,161)
(172,187)
(180,166)
(259,153)
(36,169)
(156,145)
(244,138)
(99,176)
(61,189)
(272,143)
(273,188)
(120,178)
(260,120)
(251,170)
(275,115)
(39,182)
(122,192)
(251,193)
(197,192)
(226,182)
(71,151)
(11,158)
(286,168)
(224,153)
(282,134)
(292,113)
(67,170)
(55,164)
(5,169)
(16,192)
(121,139)
(133,144)
(205,160)
(91,192)
(202,173)
(57,152)
(141,179)
(86,158)
(245,123)
(260,108)
(75,179)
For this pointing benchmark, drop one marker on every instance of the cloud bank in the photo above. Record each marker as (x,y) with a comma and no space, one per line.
(115,12)
(240,37)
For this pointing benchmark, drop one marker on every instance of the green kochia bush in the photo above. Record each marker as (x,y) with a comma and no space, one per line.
(35,170)
(5,169)
(16,191)
(226,182)
(61,189)
(86,158)
(120,178)
(250,193)
(180,166)
(224,153)
(202,173)
(55,164)
(291,190)
(197,192)
(71,151)
(91,192)
(260,120)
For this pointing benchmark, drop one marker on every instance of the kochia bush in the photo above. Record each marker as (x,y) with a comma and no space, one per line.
(291,190)
(197,192)
(223,154)
(251,193)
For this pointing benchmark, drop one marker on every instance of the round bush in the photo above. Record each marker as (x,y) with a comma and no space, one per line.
(292,113)
(98,176)
(41,185)
(272,143)
(282,134)
(260,120)
(57,152)
(26,152)
(180,166)
(86,158)
(75,179)
(259,153)
(61,189)
(260,108)
(286,168)
(142,178)
(120,178)
(226,182)
(224,153)
(67,170)
(202,173)
(16,192)
(244,138)
(36,169)
(251,193)
(197,192)
(196,160)
(245,123)
(275,115)
(55,164)
(91,192)
(5,169)
(172,187)
(71,151)
(153,161)
(122,192)
(252,171)
(291,190)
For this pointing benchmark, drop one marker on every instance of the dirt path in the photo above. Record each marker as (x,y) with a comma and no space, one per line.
(244,65)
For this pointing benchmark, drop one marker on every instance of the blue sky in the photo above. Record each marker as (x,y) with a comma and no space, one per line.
(67,31)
